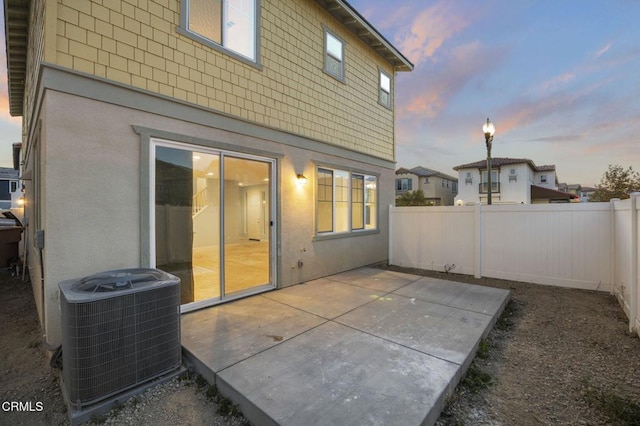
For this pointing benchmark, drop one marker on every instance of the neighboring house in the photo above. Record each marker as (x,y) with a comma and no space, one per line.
(439,189)
(10,190)
(179,134)
(513,180)
(585,193)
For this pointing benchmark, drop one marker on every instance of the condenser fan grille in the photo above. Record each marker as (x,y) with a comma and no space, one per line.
(115,343)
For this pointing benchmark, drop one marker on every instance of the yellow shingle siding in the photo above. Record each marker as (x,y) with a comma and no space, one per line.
(136,43)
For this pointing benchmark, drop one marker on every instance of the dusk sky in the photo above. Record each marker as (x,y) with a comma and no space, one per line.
(559,79)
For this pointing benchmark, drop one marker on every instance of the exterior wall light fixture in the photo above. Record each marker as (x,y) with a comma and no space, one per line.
(302,180)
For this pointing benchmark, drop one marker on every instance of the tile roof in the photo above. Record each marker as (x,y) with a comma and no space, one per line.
(504,161)
(538,192)
(7,173)
(424,172)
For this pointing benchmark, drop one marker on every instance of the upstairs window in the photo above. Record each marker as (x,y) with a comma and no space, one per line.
(227,24)
(385,90)
(333,56)
(543,178)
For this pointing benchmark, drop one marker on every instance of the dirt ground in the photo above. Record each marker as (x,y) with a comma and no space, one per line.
(557,356)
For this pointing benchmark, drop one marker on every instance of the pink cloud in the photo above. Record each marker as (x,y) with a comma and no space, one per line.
(556,82)
(427,94)
(429,29)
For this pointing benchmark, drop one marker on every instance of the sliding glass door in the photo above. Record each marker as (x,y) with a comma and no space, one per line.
(213,223)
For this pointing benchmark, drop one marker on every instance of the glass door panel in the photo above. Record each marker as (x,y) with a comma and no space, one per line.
(187,220)
(212,221)
(247,221)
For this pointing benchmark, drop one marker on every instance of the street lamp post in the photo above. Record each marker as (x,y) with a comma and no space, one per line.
(489,129)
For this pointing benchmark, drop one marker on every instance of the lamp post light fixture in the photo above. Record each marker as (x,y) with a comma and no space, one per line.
(489,129)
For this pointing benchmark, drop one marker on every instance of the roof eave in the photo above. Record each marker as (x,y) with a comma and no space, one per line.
(352,20)
(16,24)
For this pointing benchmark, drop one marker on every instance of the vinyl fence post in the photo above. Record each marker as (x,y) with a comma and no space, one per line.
(633,302)
(477,240)
(612,245)
(391,259)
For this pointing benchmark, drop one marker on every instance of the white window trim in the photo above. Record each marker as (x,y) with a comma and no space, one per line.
(388,105)
(350,231)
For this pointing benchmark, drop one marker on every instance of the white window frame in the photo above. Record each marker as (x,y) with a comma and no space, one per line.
(365,219)
(495,179)
(251,58)
(406,184)
(384,96)
(329,55)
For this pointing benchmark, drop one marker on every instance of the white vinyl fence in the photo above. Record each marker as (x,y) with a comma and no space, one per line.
(591,246)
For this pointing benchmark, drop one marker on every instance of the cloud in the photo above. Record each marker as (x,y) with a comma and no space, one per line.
(557,82)
(558,138)
(429,29)
(603,50)
(428,92)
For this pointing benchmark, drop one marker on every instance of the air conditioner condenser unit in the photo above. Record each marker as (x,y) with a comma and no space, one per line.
(120,329)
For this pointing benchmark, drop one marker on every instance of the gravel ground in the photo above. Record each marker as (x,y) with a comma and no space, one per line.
(557,356)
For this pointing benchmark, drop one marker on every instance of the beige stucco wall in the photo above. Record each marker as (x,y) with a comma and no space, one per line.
(93,190)
(137,44)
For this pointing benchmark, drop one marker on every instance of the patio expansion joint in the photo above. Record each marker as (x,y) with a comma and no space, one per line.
(369,288)
(444,304)
(384,294)
(397,343)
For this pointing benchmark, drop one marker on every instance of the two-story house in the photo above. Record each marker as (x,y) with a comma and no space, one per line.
(242,146)
(10,190)
(439,189)
(513,181)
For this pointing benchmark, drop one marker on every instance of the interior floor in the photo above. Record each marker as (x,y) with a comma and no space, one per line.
(246,266)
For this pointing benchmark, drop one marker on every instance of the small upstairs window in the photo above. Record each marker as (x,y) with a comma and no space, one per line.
(543,178)
(385,90)
(333,55)
(468,179)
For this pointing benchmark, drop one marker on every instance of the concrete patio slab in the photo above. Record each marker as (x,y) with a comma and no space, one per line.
(465,296)
(227,334)
(441,331)
(366,346)
(334,375)
(337,297)
(375,279)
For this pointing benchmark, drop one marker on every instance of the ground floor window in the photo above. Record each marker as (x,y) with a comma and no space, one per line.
(346,201)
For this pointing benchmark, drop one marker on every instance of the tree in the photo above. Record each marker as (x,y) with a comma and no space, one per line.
(412,198)
(616,182)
